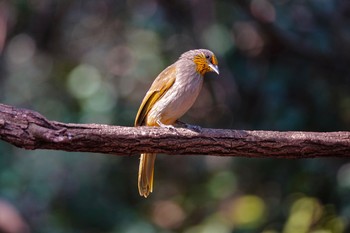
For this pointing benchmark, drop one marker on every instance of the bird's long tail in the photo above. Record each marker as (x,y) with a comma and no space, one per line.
(146,171)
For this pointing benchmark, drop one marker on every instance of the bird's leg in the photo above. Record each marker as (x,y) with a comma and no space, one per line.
(196,128)
(170,127)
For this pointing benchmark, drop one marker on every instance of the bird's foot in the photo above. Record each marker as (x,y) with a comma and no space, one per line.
(195,128)
(169,127)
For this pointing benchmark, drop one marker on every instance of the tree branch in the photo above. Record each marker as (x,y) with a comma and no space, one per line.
(30,130)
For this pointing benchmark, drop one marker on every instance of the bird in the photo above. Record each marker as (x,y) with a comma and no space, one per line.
(170,96)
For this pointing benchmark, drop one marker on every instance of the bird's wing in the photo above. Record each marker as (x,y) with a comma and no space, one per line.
(159,87)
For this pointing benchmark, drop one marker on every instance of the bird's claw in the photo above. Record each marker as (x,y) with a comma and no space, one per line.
(195,128)
(169,127)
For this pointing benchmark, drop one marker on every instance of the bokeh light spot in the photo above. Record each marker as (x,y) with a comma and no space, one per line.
(218,39)
(222,184)
(344,176)
(145,46)
(102,100)
(84,81)
(263,10)
(247,211)
(21,49)
(248,39)
(304,212)
(168,214)
(335,225)
(214,223)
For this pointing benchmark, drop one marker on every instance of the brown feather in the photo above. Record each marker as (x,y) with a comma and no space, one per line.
(146,171)
(158,88)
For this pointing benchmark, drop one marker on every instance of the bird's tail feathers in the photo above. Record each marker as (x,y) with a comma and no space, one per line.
(146,171)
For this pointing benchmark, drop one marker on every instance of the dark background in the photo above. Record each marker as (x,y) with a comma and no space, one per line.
(284,65)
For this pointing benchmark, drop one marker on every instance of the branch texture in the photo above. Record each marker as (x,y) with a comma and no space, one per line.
(30,130)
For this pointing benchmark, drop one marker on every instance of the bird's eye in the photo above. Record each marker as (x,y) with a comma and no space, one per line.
(207,56)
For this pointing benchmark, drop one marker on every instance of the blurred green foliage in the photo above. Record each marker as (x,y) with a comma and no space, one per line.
(284,66)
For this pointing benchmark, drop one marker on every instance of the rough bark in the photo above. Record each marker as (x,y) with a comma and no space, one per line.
(30,130)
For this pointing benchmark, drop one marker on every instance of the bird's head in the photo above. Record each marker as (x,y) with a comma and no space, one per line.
(204,59)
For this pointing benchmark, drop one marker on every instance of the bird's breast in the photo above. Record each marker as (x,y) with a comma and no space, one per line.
(177,100)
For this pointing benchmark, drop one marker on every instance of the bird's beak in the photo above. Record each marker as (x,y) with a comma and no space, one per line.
(215,68)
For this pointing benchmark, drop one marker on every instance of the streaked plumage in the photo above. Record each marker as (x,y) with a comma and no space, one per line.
(170,96)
